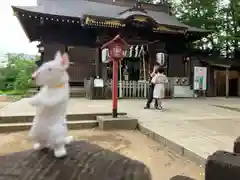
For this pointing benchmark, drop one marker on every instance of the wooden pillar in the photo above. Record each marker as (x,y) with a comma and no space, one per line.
(66,48)
(215,82)
(227,82)
(104,71)
(40,62)
(98,62)
(41,51)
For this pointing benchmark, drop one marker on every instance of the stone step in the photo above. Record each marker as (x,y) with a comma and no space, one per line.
(77,92)
(70,117)
(73,125)
(77,95)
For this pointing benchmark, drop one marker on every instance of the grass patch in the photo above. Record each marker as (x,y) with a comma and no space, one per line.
(14,95)
(12,92)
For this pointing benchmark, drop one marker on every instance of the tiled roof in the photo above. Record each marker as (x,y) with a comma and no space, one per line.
(73,8)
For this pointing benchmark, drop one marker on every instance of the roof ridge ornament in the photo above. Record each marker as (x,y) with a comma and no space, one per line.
(138,4)
(136,7)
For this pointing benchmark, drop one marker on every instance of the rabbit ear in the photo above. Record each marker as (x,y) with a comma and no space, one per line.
(65,60)
(58,56)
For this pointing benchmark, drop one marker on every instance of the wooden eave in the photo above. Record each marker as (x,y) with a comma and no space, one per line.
(106,22)
(220,62)
(38,19)
(116,38)
(38,16)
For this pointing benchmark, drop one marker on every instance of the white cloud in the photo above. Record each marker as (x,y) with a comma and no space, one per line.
(12,36)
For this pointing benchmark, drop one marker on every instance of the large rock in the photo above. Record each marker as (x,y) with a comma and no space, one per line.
(223,165)
(236,145)
(84,162)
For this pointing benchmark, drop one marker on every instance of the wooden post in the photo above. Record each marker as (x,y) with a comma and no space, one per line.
(40,62)
(144,74)
(98,62)
(120,79)
(66,48)
(215,82)
(104,77)
(227,82)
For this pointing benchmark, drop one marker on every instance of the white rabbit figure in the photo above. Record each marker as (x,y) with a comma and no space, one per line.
(49,127)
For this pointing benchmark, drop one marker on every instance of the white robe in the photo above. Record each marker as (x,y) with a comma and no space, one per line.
(159,89)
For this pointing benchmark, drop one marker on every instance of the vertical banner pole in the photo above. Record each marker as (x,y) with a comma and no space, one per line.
(144,75)
(120,79)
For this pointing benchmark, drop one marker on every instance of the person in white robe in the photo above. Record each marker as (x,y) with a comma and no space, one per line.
(159,80)
(151,88)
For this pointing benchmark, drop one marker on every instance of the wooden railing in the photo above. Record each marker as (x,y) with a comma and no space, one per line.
(126,89)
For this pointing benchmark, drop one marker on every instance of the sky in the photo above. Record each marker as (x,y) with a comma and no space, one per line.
(12,36)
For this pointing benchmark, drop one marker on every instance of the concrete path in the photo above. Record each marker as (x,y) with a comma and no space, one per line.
(3,104)
(195,124)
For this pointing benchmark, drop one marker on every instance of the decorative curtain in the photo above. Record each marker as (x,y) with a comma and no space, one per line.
(135,51)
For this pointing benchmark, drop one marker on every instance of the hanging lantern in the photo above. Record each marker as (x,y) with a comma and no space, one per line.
(105,54)
(40,48)
(160,57)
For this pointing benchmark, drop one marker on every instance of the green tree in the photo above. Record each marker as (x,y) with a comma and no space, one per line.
(231,13)
(216,15)
(229,37)
(200,14)
(17,74)
(146,1)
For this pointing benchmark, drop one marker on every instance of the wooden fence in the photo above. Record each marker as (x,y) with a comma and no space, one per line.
(126,89)
(130,89)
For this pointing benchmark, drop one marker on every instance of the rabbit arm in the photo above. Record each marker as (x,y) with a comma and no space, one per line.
(40,100)
(35,100)
(52,101)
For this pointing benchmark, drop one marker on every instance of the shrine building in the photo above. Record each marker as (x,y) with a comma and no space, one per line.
(81,27)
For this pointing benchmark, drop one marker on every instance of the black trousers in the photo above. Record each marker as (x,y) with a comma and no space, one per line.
(150,96)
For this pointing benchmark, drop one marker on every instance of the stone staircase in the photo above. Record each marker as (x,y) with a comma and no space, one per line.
(77,91)
(104,121)
(22,123)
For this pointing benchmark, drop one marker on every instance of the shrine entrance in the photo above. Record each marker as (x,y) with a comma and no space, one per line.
(130,69)
(134,66)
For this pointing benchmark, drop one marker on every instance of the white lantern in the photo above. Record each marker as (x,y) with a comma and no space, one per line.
(105,58)
(160,58)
